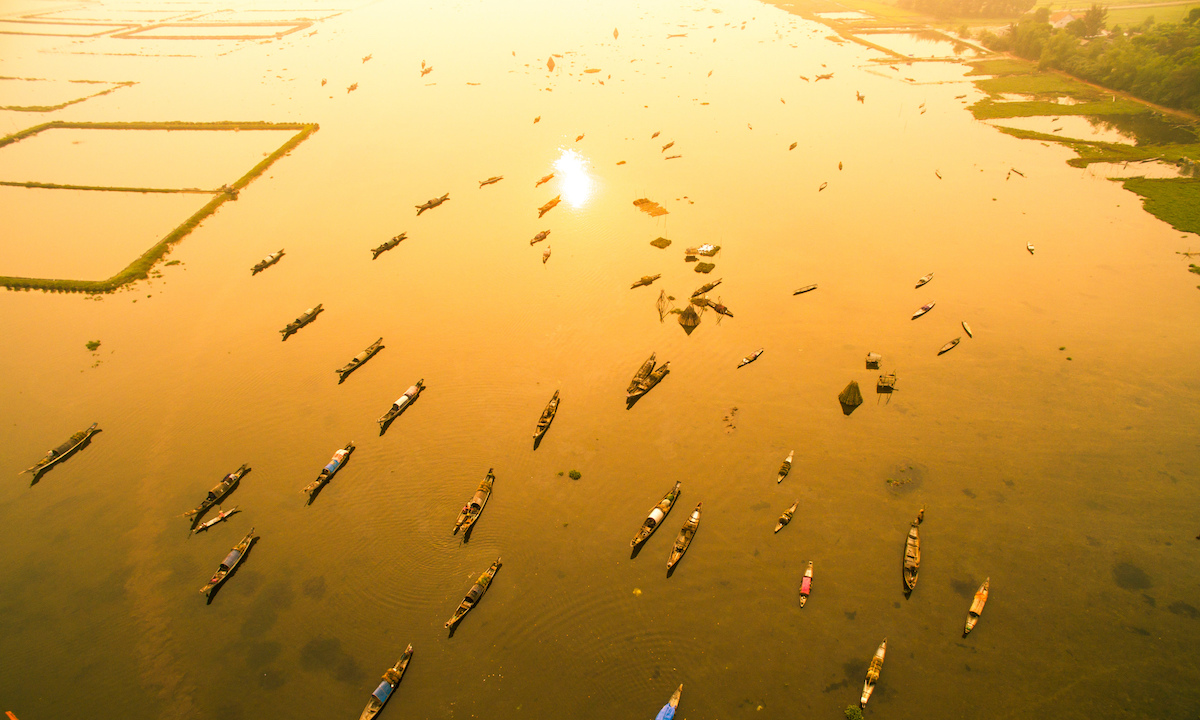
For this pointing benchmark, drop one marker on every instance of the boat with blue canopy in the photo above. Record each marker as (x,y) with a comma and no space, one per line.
(391,678)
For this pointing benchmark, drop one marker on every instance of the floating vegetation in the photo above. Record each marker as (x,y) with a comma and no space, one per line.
(92,345)
(661,242)
(650,207)
(574,475)
(704,267)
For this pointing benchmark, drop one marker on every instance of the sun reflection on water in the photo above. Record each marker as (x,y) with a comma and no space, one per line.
(577,186)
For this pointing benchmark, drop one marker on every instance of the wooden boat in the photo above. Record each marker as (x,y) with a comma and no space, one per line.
(327,473)
(873,673)
(641,375)
(873,360)
(706,287)
(645,280)
(308,316)
(786,467)
(657,514)
(668,711)
(685,537)
(474,507)
(358,360)
(546,255)
(391,678)
(218,493)
(221,516)
(707,250)
(231,561)
(949,346)
(1029,247)
(266,262)
(718,308)
(806,288)
(431,204)
(402,402)
(668,146)
(60,453)
(377,251)
(751,357)
(912,556)
(655,378)
(924,279)
(547,178)
(476,592)
(806,584)
(547,417)
(977,606)
(549,205)
(491,181)
(886,384)
(786,517)
(539,237)
(922,310)
(967,329)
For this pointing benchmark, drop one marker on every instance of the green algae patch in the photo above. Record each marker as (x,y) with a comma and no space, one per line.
(1175,201)
(660,243)
(988,109)
(92,345)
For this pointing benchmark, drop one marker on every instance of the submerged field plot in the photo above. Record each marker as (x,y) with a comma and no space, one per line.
(44,95)
(173,158)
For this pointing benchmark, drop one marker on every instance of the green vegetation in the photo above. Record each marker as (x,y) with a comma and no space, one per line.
(854,712)
(1175,201)
(660,243)
(139,269)
(969,8)
(574,475)
(92,345)
(60,106)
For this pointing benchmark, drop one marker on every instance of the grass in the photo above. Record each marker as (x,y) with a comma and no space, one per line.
(1002,66)
(140,268)
(60,106)
(989,110)
(1175,201)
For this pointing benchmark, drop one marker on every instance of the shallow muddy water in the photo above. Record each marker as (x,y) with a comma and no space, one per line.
(1055,451)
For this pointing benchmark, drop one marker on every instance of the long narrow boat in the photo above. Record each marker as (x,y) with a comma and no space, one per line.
(305,318)
(641,375)
(806,584)
(923,309)
(751,357)
(358,360)
(543,423)
(786,467)
(786,517)
(949,346)
(668,711)
(924,279)
(539,237)
(977,606)
(655,378)
(474,507)
(266,262)
(706,287)
(221,517)
(377,251)
(645,280)
(873,673)
(218,493)
(685,537)
(229,563)
(912,556)
(391,678)
(402,402)
(658,513)
(476,592)
(431,204)
(806,288)
(60,453)
(327,473)
(967,328)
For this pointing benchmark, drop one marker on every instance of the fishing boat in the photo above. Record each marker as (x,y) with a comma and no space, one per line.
(751,357)
(1029,247)
(949,346)
(657,514)
(806,584)
(266,262)
(706,287)
(308,316)
(327,473)
(476,592)
(718,308)
(967,329)
(60,453)
(655,378)
(344,371)
(685,537)
(402,402)
(431,204)
(221,516)
(549,205)
(912,556)
(886,384)
(641,375)
(873,673)
(786,517)
(231,561)
(645,280)
(707,250)
(786,467)
(391,678)
(977,606)
(873,360)
(546,255)
(924,279)
(806,288)
(491,181)
(543,423)
(539,237)
(922,310)
(668,711)
(547,178)
(377,251)
(218,493)
(474,507)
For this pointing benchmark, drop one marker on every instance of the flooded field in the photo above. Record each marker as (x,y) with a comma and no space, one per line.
(1054,451)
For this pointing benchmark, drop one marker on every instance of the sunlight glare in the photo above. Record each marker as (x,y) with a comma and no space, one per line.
(576,184)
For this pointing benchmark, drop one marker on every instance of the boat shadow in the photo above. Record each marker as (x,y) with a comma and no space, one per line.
(671,570)
(637,550)
(537,441)
(212,594)
(633,400)
(37,476)
(466,538)
(383,427)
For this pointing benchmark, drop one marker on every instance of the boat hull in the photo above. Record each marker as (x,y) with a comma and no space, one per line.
(657,514)
(684,540)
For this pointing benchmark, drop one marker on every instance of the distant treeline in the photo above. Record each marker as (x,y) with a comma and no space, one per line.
(969,8)
(1159,63)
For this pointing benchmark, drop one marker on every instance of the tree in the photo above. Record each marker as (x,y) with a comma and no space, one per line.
(1094,19)
(1077,27)
(1042,14)
(1193,16)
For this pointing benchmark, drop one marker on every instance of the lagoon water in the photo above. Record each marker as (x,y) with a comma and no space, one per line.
(1055,452)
